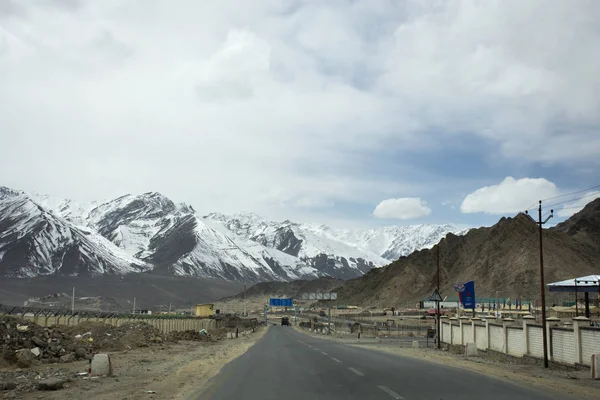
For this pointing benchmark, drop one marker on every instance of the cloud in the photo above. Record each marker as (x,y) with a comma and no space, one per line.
(402,208)
(272,107)
(569,209)
(509,196)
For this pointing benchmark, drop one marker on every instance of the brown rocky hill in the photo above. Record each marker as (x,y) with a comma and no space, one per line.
(503,257)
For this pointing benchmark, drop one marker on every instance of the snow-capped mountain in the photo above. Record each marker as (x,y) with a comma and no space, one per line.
(312,245)
(306,241)
(171,238)
(34,241)
(40,235)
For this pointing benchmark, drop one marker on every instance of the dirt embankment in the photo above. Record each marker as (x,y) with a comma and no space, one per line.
(144,360)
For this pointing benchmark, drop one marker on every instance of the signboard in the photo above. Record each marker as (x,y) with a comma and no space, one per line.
(274,302)
(435,296)
(459,287)
(318,296)
(430,333)
(467,296)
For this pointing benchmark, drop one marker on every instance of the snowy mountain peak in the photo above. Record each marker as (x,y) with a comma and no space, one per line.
(43,235)
(380,245)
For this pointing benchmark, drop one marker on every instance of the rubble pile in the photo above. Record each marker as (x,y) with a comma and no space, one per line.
(192,335)
(25,343)
(127,336)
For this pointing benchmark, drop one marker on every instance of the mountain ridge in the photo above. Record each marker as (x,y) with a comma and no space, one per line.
(150,232)
(503,258)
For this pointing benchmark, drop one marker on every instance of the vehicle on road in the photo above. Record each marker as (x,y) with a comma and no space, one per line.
(285,321)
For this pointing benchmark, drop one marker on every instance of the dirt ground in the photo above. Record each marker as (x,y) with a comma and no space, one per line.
(173,371)
(564,380)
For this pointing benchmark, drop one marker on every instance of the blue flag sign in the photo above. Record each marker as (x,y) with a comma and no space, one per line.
(467,296)
(281,302)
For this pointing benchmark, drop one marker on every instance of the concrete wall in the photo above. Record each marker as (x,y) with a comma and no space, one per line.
(481,337)
(497,338)
(165,325)
(566,345)
(590,343)
(535,341)
(563,345)
(515,342)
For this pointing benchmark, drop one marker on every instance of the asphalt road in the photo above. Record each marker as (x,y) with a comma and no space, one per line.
(286,364)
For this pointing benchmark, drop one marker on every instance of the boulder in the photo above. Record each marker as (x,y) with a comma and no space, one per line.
(39,342)
(25,358)
(36,351)
(101,365)
(80,352)
(67,358)
(51,384)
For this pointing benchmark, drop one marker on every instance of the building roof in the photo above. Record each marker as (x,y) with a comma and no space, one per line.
(589,283)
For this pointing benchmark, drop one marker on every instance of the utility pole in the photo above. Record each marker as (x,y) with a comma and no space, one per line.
(542,284)
(134,305)
(244,299)
(437,316)
(73,302)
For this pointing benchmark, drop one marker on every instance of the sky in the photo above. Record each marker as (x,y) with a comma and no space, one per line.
(353,113)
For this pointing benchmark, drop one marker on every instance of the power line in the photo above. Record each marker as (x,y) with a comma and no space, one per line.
(572,200)
(535,205)
(569,194)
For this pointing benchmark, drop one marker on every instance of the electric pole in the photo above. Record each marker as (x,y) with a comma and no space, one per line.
(439,345)
(73,302)
(542,284)
(244,300)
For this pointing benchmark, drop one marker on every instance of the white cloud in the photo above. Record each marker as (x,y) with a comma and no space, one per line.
(402,208)
(509,196)
(569,209)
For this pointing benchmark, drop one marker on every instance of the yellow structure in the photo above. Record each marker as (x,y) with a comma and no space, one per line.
(204,310)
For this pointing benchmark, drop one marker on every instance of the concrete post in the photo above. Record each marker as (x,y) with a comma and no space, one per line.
(441,332)
(463,321)
(505,323)
(550,322)
(474,320)
(577,323)
(527,320)
(487,333)
(452,338)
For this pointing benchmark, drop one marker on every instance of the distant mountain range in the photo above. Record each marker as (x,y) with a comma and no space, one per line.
(502,260)
(41,235)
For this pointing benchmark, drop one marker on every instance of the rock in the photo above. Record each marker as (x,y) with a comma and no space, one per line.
(51,384)
(7,385)
(39,342)
(80,352)
(25,358)
(67,358)
(101,365)
(71,347)
(36,351)
(10,395)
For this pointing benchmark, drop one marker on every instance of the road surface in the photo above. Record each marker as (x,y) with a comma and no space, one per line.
(286,364)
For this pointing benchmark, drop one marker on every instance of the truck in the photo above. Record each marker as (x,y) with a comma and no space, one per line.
(285,321)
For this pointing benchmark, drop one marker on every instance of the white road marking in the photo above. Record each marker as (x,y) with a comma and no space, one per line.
(357,372)
(325,354)
(335,359)
(391,393)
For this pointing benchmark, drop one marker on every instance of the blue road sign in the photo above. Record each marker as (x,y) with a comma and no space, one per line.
(280,302)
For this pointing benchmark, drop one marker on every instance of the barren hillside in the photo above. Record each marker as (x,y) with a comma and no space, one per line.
(503,257)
